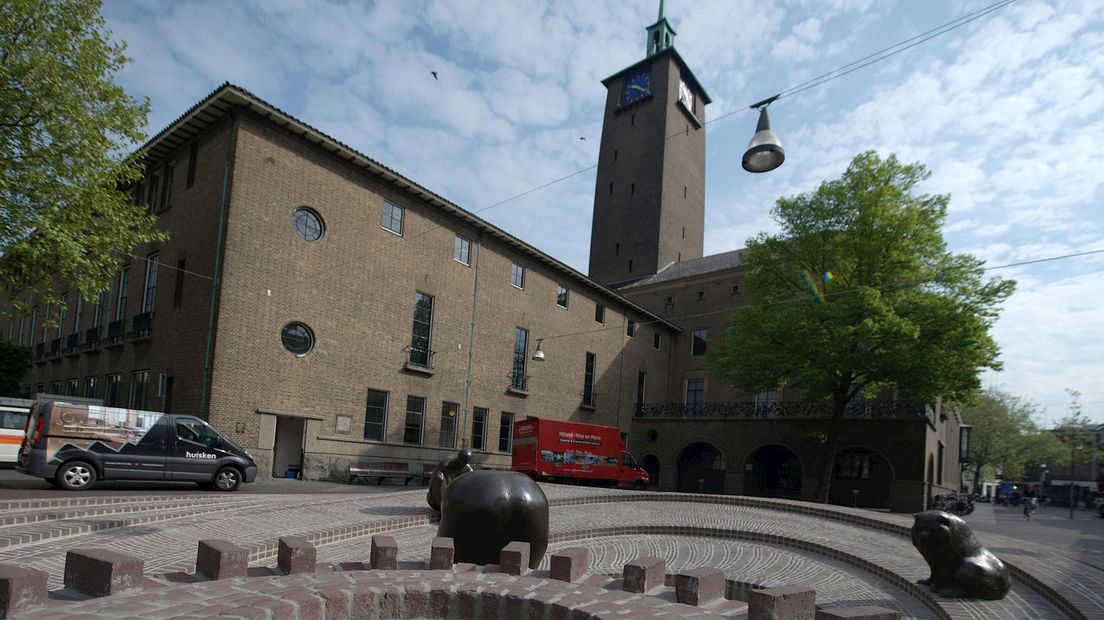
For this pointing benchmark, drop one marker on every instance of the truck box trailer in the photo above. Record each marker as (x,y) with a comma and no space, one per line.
(575,452)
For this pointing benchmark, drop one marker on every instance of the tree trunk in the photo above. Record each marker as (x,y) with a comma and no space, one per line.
(824,489)
(977,476)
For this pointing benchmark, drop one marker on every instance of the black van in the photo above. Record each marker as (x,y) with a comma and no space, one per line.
(72,445)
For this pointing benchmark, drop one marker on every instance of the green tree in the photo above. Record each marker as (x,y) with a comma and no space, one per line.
(858,293)
(66,130)
(14,361)
(1004,437)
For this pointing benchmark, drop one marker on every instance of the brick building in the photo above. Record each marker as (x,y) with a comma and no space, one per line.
(319,307)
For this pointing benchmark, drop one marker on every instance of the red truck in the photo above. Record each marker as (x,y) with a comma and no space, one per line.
(575,452)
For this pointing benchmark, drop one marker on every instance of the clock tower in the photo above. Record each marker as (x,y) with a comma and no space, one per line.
(649,198)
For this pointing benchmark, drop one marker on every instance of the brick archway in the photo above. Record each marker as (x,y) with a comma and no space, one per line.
(775,471)
(700,467)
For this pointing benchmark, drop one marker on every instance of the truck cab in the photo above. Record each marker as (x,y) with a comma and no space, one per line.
(575,452)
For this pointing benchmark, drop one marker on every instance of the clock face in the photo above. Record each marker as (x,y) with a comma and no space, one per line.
(637,85)
(686,96)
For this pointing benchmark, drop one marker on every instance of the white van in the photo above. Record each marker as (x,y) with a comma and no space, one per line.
(14,413)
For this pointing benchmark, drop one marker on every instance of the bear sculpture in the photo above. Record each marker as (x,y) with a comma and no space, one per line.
(447,470)
(484,511)
(960,566)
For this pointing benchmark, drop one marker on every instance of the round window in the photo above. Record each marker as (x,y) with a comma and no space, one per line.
(308,224)
(297,338)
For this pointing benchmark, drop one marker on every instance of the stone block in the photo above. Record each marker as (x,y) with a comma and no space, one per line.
(21,589)
(643,574)
(857,613)
(101,572)
(441,553)
(221,559)
(700,586)
(514,558)
(385,553)
(296,554)
(785,603)
(570,564)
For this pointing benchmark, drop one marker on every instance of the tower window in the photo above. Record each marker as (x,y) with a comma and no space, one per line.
(701,295)
(735,289)
(683,232)
(617,249)
(614,154)
(684,191)
(611,187)
(669,300)
(630,265)
(632,189)
(632,120)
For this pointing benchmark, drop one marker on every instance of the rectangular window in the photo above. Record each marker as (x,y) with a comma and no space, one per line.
(23,330)
(641,386)
(765,403)
(449,413)
(72,387)
(392,218)
(34,323)
(151,192)
(479,428)
(91,387)
(46,322)
(77,313)
(113,389)
(517,275)
(63,312)
(166,188)
(178,286)
(588,380)
(698,343)
(138,382)
(657,341)
(423,324)
(55,387)
(939,463)
(375,415)
(461,250)
(506,432)
(695,392)
(124,286)
(97,313)
(630,329)
(600,314)
(192,152)
(152,262)
(415,414)
(521,348)
(561,296)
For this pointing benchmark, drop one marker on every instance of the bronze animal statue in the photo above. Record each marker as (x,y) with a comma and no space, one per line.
(960,566)
(484,511)
(447,470)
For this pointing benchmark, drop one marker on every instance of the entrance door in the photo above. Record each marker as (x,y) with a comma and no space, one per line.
(287,454)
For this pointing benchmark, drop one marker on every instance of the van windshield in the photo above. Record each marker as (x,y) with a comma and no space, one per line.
(194,431)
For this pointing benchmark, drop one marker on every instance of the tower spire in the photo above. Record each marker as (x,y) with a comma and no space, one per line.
(660,34)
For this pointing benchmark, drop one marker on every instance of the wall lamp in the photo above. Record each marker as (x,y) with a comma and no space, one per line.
(538,355)
(764,151)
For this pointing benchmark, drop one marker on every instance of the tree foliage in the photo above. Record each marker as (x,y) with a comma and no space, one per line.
(858,293)
(14,361)
(65,131)
(1004,438)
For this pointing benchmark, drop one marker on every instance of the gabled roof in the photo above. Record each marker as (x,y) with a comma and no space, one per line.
(217,105)
(691,268)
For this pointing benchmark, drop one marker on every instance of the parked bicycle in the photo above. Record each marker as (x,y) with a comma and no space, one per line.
(954,503)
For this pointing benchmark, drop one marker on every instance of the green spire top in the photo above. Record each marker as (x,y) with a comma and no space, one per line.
(660,34)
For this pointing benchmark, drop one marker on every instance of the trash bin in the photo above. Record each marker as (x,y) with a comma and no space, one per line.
(292,471)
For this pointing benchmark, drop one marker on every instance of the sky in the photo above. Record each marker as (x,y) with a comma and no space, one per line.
(1007,112)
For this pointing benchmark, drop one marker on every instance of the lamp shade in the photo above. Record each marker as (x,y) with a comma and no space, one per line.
(764,152)
(538,355)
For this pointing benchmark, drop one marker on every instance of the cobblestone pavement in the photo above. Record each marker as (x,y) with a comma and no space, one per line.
(850,556)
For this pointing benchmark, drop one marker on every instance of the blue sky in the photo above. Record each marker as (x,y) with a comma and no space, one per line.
(1007,112)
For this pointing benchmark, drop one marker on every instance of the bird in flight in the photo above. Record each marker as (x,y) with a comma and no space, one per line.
(434,74)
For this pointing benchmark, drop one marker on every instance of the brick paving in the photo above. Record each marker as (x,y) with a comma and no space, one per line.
(851,557)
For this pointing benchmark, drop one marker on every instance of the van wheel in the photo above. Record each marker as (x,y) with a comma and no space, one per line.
(76,476)
(227,479)
(639,485)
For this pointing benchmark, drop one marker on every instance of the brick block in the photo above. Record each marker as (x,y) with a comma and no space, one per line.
(514,558)
(296,555)
(385,553)
(786,603)
(857,613)
(570,564)
(700,586)
(441,553)
(101,572)
(221,559)
(643,574)
(21,589)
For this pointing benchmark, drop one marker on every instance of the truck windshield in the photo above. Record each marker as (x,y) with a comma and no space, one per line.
(628,461)
(193,430)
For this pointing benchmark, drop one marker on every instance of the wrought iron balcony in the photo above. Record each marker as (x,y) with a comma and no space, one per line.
(870,410)
(92,337)
(115,331)
(142,325)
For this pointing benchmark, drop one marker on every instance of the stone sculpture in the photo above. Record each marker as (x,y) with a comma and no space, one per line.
(447,470)
(960,566)
(484,511)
